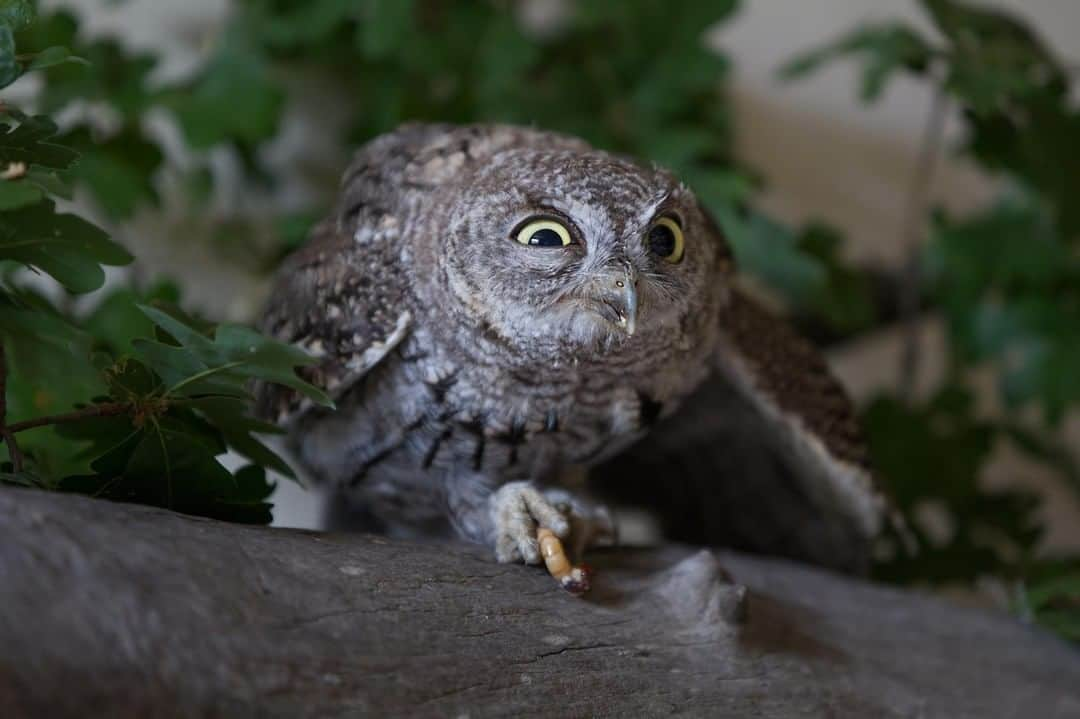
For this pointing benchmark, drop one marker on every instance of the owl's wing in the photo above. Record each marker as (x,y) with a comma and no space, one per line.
(343,297)
(766,456)
(343,304)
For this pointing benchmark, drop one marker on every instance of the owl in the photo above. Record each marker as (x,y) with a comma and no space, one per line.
(500,312)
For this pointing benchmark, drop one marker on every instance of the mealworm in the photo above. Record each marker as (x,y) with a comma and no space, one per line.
(573,579)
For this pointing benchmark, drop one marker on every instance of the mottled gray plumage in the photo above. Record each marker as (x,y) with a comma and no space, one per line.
(470,370)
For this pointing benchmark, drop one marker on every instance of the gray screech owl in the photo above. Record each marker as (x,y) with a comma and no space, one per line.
(492,306)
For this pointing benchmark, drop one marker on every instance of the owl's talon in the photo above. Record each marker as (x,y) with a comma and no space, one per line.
(517,511)
(591,525)
(529,550)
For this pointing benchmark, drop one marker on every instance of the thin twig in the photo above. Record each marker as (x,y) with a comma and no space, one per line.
(914,219)
(105,409)
(7,432)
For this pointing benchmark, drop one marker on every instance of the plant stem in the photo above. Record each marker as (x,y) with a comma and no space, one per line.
(105,409)
(7,432)
(914,218)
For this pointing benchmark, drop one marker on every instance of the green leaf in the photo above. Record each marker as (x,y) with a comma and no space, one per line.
(171,463)
(65,246)
(9,66)
(22,479)
(107,73)
(884,50)
(230,417)
(119,170)
(230,358)
(16,14)
(1039,146)
(15,194)
(25,142)
(770,251)
(680,146)
(268,359)
(1045,592)
(236,76)
(50,56)
(932,456)
(844,301)
(49,29)
(177,364)
(309,26)
(49,182)
(992,274)
(505,55)
(292,229)
(1054,601)
(165,452)
(96,436)
(995,59)
(386,26)
(117,321)
(129,380)
(49,369)
(1065,623)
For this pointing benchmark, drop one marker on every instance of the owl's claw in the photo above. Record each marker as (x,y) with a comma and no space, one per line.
(517,511)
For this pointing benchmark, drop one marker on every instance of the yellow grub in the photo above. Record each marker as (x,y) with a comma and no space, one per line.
(554,555)
(573,579)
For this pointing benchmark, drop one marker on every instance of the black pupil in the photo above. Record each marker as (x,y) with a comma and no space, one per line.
(662,240)
(546,237)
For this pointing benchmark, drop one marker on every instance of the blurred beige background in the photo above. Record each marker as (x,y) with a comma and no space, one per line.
(822,153)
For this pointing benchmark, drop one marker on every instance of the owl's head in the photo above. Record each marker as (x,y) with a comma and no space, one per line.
(557,249)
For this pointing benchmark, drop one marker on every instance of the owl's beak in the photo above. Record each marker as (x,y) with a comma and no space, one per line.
(616,298)
(627,302)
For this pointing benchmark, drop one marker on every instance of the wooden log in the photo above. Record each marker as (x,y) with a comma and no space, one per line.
(121,610)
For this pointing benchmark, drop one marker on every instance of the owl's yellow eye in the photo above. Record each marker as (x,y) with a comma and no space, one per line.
(544,233)
(665,239)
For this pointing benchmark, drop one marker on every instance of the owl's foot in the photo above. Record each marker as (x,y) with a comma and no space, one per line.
(591,525)
(518,510)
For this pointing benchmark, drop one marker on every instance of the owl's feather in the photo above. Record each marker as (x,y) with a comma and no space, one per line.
(789,383)
(349,319)
(341,297)
(766,456)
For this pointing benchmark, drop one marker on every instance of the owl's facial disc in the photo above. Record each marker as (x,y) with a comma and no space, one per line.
(572,254)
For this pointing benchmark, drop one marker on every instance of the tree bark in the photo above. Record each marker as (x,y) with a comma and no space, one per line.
(120,610)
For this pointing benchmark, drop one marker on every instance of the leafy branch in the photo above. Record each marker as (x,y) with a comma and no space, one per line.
(105,409)
(1006,279)
(159,396)
(175,404)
